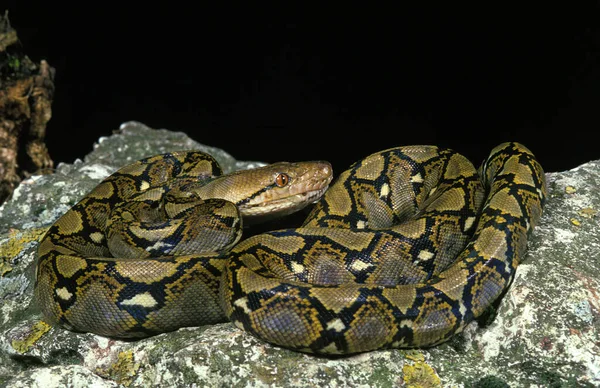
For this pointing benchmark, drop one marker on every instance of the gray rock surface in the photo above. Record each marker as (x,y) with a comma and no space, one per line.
(545,331)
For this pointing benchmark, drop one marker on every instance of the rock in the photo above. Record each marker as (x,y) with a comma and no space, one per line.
(544,331)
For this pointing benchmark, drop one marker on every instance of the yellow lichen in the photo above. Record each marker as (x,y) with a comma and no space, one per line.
(570,189)
(414,355)
(4,267)
(587,212)
(123,370)
(420,375)
(17,239)
(37,331)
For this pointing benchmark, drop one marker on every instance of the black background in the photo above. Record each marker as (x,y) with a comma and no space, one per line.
(337,84)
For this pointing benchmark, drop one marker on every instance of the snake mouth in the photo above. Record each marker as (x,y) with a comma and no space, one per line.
(282,206)
(300,200)
(314,195)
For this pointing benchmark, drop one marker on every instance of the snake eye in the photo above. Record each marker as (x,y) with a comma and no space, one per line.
(282,179)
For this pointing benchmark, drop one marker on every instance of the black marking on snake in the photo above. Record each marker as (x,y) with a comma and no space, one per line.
(256,194)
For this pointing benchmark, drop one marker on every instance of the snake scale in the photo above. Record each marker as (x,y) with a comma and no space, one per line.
(407,247)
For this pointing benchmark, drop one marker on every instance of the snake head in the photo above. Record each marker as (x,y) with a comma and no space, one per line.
(271,191)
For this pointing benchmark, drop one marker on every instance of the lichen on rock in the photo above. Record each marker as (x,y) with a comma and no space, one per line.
(543,332)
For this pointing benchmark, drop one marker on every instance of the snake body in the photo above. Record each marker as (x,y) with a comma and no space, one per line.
(141,254)
(332,286)
(406,248)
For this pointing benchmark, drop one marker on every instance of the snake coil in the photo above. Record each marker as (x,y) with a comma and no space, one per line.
(406,248)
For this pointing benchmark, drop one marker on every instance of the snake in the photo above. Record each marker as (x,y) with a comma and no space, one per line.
(406,248)
(142,252)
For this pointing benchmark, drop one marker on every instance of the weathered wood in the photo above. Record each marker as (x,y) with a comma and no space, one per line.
(26,92)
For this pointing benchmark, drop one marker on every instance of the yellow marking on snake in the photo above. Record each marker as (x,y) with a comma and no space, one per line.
(143,300)
(385,190)
(425,255)
(155,271)
(336,325)
(63,293)
(103,190)
(243,304)
(359,265)
(67,266)
(469,222)
(417,178)
(70,223)
(297,268)
(97,237)
(144,185)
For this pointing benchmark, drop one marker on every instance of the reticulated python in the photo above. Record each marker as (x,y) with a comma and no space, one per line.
(166,206)
(407,247)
